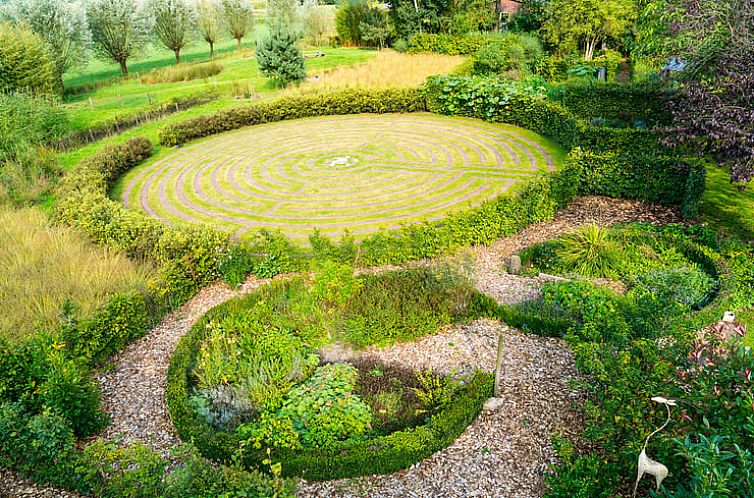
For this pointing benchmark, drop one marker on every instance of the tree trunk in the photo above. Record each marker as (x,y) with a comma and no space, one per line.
(211,50)
(589,53)
(123,68)
(238,43)
(177,56)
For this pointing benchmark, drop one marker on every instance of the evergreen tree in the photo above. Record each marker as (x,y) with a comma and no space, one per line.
(280,58)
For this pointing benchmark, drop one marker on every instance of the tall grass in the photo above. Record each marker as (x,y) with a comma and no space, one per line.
(45,270)
(183,72)
(388,69)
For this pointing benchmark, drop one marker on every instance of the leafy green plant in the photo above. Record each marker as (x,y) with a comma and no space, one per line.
(687,286)
(591,252)
(435,391)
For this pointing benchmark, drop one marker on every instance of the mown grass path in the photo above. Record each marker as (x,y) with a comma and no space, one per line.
(357,173)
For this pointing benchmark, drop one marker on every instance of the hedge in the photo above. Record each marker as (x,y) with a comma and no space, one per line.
(379,455)
(343,102)
(446,44)
(613,103)
(616,162)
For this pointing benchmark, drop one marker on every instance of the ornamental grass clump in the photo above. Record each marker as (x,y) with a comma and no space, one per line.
(591,252)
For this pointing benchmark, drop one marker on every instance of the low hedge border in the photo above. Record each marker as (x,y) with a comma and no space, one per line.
(380,455)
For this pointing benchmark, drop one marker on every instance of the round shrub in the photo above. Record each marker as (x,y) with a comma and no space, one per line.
(24,61)
(686,285)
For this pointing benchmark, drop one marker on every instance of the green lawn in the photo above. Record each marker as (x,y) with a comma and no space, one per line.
(397,169)
(727,208)
(116,98)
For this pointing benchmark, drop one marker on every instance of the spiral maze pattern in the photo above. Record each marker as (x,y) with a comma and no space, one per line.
(357,173)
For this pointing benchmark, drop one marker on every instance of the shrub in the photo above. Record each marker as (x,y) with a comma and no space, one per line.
(280,58)
(687,286)
(445,44)
(29,121)
(116,471)
(342,102)
(25,65)
(497,58)
(322,412)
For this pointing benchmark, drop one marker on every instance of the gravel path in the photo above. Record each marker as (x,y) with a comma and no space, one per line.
(504,453)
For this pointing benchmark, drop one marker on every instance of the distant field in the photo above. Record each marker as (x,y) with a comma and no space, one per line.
(356,173)
(239,78)
(44,268)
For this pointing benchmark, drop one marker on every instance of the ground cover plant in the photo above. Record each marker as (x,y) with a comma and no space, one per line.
(356,173)
(234,396)
(658,336)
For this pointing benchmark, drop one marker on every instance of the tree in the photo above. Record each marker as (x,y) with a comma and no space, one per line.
(279,57)
(25,65)
(348,19)
(472,15)
(239,17)
(62,25)
(173,21)
(530,17)
(316,22)
(208,19)
(714,111)
(587,23)
(120,30)
(282,12)
(376,28)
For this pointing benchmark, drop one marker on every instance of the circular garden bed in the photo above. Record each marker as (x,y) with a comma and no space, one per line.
(357,173)
(248,380)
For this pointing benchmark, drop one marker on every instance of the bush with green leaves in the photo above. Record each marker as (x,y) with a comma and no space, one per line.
(279,57)
(25,65)
(322,412)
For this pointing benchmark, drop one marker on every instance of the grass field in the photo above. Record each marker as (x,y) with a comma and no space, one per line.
(356,173)
(727,208)
(239,80)
(44,267)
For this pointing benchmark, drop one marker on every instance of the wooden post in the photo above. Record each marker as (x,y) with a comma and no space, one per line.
(149,98)
(91,104)
(498,365)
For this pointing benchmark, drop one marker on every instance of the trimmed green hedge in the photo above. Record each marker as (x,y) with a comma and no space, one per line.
(445,44)
(379,455)
(616,162)
(613,103)
(343,102)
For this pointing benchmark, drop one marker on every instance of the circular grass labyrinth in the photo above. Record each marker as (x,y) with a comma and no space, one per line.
(358,173)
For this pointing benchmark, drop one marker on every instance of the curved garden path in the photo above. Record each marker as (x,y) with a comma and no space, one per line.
(502,453)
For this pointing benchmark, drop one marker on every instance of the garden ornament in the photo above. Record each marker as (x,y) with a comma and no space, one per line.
(646,464)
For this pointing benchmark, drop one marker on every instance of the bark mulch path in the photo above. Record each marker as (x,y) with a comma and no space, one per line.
(503,453)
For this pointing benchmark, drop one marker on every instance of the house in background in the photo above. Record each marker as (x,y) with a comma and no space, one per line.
(505,10)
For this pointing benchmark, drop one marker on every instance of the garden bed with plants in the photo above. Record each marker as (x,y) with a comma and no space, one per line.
(641,308)
(247,380)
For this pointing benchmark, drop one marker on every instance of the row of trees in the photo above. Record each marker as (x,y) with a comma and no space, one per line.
(119,30)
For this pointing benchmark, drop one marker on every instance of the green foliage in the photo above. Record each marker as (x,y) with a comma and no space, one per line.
(404,305)
(280,58)
(583,24)
(39,446)
(446,44)
(435,391)
(497,58)
(113,471)
(614,104)
(348,19)
(344,102)
(120,30)
(323,412)
(247,364)
(686,286)
(590,252)
(25,65)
